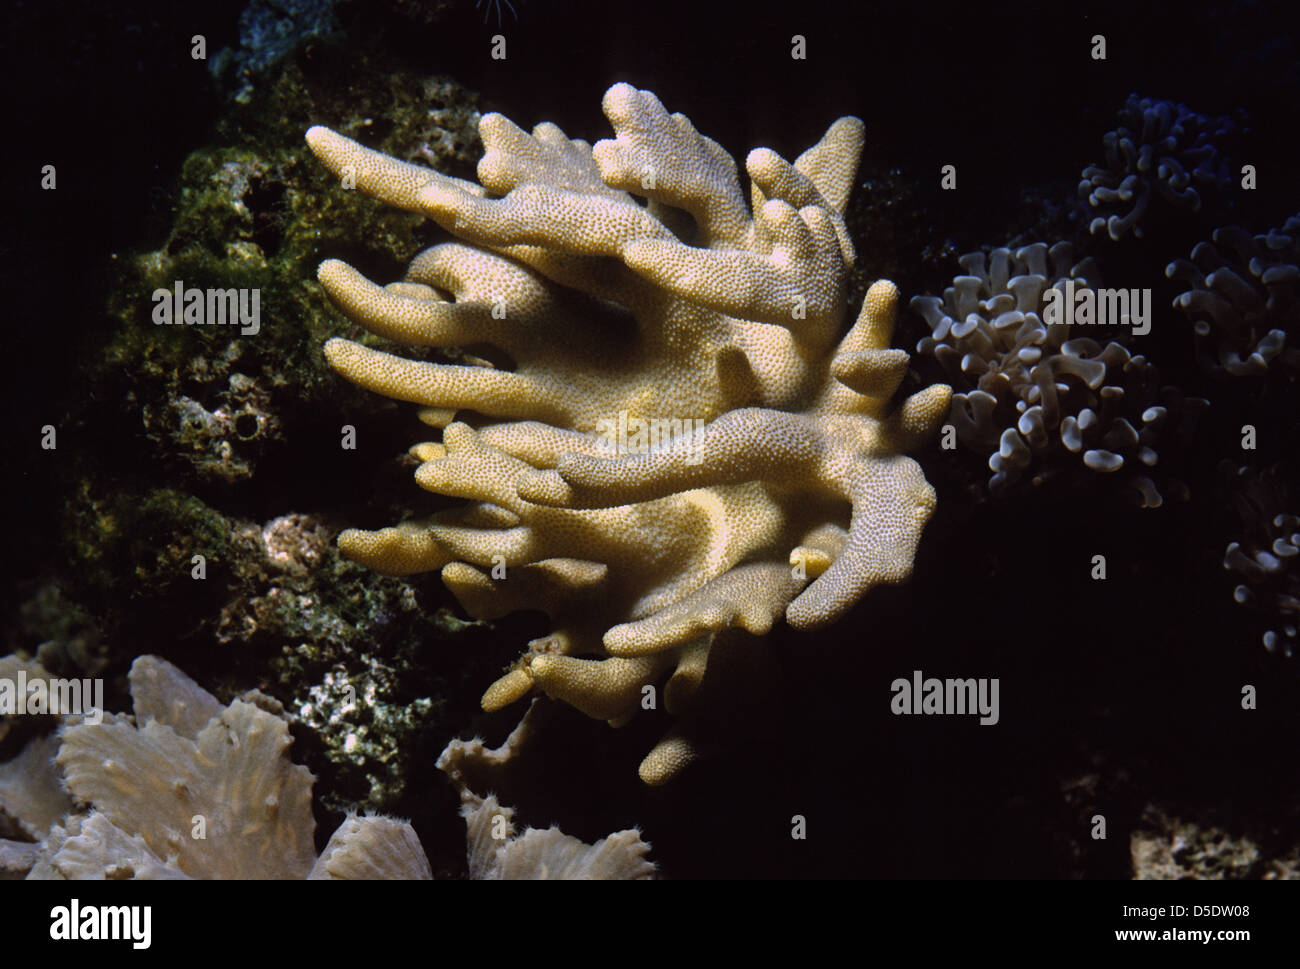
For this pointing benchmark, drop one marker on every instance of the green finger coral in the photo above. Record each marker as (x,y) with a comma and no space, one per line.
(678,439)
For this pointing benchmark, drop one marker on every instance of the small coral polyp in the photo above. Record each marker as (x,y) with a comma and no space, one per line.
(789,492)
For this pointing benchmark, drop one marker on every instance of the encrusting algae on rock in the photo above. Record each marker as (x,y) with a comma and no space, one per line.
(675,443)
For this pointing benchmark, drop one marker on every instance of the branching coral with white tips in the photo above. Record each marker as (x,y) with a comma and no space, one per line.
(681,445)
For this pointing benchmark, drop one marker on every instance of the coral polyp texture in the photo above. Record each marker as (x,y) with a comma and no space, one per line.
(1034,396)
(1244,299)
(677,438)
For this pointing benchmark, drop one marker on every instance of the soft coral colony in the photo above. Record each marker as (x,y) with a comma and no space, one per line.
(186,788)
(786,491)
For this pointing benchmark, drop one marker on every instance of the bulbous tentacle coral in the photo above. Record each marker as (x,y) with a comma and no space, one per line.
(680,447)
(1034,400)
(1159,150)
(1242,299)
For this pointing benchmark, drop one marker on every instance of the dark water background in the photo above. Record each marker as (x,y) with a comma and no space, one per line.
(1135,677)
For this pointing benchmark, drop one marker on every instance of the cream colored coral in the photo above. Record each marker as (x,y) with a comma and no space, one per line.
(160,779)
(188,788)
(372,849)
(32,797)
(697,311)
(497,851)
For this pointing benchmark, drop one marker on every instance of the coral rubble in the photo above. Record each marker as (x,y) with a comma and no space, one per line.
(1166,847)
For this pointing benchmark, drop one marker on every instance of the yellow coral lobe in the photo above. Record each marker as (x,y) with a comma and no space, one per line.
(505,691)
(813,561)
(606,689)
(668,759)
(688,437)
(427,452)
(401,550)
